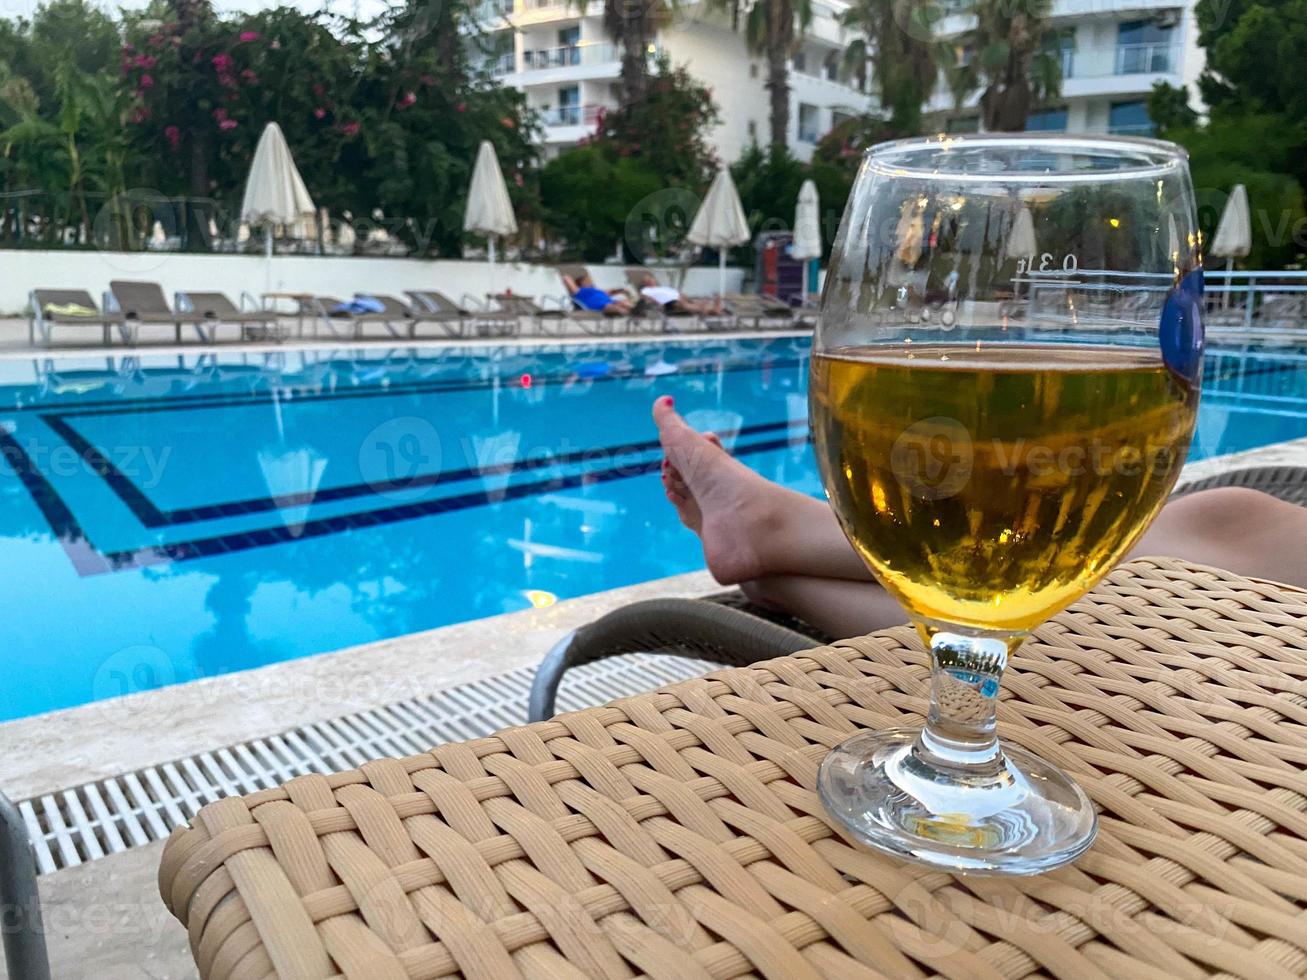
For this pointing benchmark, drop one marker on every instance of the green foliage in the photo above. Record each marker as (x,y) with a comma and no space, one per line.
(1169,109)
(1011,61)
(588,194)
(381,117)
(668,129)
(900,47)
(1256,133)
(591,193)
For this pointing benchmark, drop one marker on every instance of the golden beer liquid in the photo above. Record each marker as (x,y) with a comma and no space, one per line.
(991,486)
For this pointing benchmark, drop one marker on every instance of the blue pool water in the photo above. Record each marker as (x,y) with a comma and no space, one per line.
(171,518)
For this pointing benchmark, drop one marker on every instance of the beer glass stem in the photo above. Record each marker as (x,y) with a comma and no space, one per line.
(966,671)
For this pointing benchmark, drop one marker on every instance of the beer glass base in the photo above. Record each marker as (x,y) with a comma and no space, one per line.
(1021,817)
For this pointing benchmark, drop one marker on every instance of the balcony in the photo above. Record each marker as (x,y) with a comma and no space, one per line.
(504,64)
(1145,59)
(570,55)
(574,115)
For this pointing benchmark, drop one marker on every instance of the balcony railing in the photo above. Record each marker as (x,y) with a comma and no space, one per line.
(569,55)
(575,115)
(1144,59)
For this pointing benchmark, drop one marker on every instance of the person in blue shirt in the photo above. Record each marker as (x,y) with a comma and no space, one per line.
(588,296)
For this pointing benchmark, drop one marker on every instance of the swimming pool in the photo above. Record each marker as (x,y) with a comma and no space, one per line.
(167,518)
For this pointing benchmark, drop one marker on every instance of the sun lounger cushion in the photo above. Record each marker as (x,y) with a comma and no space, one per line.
(359,304)
(70,309)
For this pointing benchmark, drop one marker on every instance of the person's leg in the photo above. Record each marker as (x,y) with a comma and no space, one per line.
(788,550)
(838,607)
(1245,531)
(749,526)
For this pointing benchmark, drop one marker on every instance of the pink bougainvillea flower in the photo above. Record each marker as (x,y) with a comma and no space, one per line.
(318,90)
(226,81)
(145,81)
(249,76)
(428,79)
(247,36)
(146,61)
(140,114)
(461,107)
(517,179)
(406,100)
(319,113)
(228,124)
(173,135)
(221,63)
(349,128)
(220,113)
(507,122)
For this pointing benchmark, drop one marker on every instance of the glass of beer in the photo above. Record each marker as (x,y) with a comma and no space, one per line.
(1004,386)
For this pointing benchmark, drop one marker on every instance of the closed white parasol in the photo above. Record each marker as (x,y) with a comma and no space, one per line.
(807,229)
(489,208)
(274,190)
(720,222)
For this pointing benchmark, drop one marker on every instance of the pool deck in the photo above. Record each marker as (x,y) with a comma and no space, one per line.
(104,917)
(107,911)
(157,339)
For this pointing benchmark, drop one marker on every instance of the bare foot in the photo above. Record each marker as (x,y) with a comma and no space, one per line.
(717,497)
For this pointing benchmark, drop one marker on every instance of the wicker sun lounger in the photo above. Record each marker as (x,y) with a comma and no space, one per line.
(217,309)
(42,319)
(144,303)
(728,629)
(679,834)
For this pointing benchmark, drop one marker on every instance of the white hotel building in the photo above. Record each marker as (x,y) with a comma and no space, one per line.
(561,58)
(558,54)
(1112,52)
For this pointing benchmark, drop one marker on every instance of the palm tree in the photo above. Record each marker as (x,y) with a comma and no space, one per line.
(632,25)
(1007,53)
(772,28)
(896,38)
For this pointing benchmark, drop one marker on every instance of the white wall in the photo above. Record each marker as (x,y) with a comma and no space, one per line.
(21,271)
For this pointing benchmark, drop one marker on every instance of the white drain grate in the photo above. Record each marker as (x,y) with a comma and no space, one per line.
(77,825)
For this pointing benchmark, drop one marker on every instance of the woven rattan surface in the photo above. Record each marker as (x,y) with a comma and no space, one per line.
(677,834)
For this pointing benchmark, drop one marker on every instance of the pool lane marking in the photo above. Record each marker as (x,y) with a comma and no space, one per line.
(88,561)
(307,393)
(151,516)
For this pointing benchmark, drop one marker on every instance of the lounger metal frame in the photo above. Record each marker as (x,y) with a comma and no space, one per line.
(39,321)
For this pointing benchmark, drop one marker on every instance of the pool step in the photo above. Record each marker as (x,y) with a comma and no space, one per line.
(77,825)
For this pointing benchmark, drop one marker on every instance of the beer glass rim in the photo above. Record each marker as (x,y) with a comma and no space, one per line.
(939,157)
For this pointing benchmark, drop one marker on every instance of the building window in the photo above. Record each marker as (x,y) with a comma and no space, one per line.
(1047,121)
(832,67)
(569,105)
(800,60)
(1129,118)
(1143,47)
(963,124)
(809,123)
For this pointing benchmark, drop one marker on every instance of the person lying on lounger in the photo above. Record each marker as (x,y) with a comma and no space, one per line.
(674,301)
(588,296)
(786,550)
